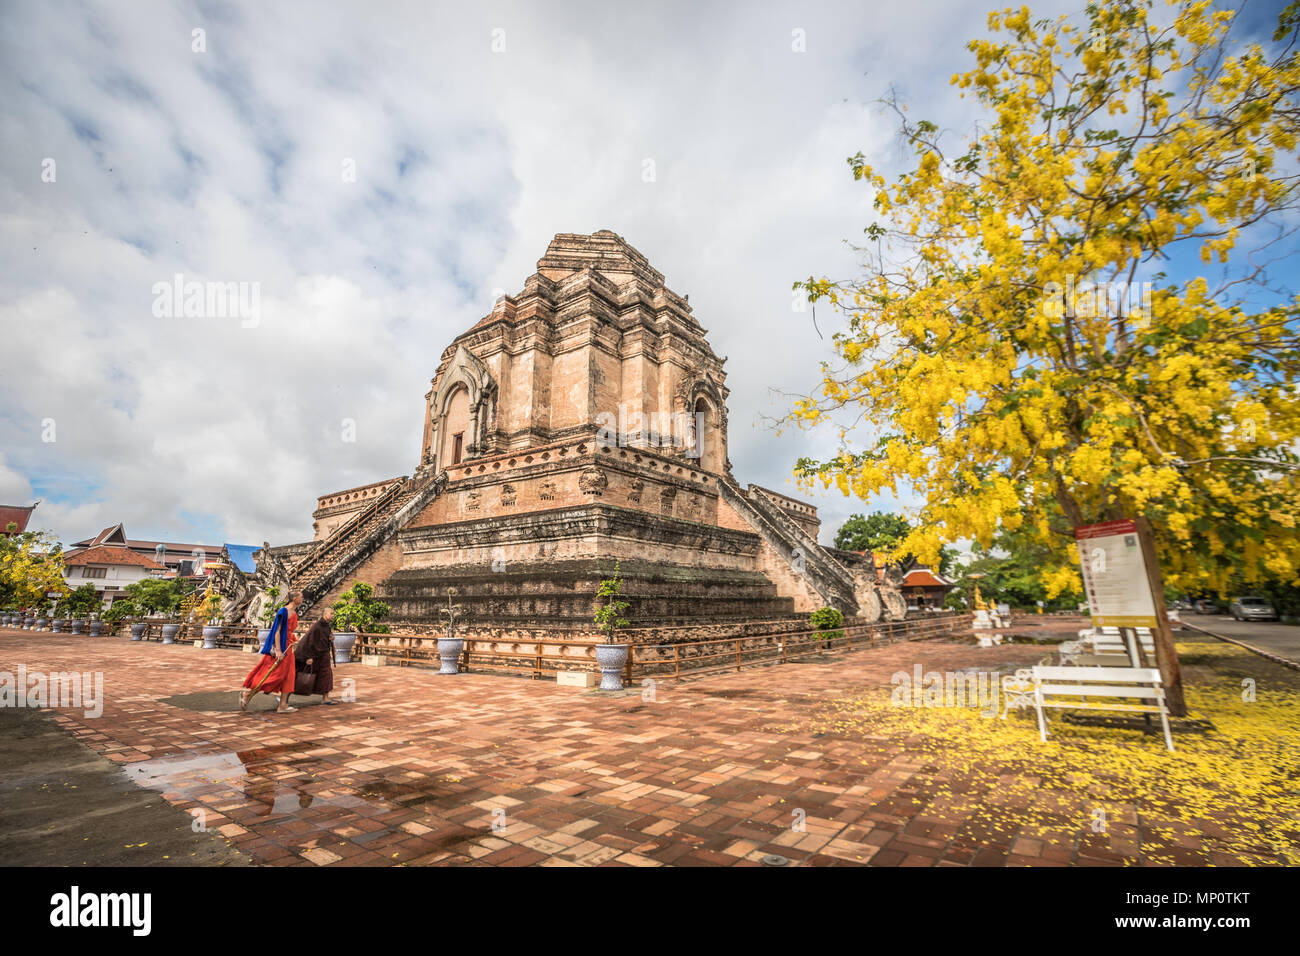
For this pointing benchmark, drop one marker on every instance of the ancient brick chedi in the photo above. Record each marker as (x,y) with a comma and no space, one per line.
(582,421)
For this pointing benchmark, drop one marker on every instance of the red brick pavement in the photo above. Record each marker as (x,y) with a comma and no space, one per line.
(478,769)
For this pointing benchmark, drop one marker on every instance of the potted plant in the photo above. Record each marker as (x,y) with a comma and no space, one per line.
(210,610)
(116,612)
(57,624)
(169,631)
(611,656)
(79,604)
(267,617)
(827,620)
(355,612)
(449,647)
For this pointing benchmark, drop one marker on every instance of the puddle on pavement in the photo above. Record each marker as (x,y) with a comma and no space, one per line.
(416,793)
(245,771)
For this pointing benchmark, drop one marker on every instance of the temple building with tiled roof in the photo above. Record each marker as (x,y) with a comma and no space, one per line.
(16,515)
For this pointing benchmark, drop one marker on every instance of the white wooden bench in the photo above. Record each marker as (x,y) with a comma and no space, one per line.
(1109,640)
(1102,688)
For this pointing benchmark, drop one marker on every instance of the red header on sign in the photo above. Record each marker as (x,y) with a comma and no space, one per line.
(1105,529)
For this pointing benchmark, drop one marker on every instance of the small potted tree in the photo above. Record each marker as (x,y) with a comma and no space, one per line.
(172,607)
(267,617)
(117,612)
(827,620)
(210,610)
(450,646)
(80,603)
(611,656)
(355,612)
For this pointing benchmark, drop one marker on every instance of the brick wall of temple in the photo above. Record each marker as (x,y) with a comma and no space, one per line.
(569,474)
(374,571)
(774,565)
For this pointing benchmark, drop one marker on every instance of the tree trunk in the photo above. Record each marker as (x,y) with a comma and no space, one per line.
(1162,635)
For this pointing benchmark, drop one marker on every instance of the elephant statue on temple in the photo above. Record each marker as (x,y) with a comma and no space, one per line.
(879,597)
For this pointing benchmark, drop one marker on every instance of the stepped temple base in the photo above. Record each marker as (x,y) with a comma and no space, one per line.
(581,423)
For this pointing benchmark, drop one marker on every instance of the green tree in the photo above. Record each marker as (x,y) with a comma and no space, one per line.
(880,532)
(267,617)
(154,595)
(1010,573)
(609,615)
(122,608)
(84,600)
(356,610)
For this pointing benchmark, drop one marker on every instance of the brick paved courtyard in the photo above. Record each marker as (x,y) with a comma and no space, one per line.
(713,771)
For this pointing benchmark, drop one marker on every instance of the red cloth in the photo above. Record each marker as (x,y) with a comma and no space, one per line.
(281,681)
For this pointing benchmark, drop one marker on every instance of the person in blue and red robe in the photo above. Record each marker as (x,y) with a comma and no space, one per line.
(274,673)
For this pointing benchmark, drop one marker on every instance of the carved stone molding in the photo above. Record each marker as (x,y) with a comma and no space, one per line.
(592,481)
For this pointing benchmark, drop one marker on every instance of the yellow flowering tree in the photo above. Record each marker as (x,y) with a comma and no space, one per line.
(31,565)
(1011,350)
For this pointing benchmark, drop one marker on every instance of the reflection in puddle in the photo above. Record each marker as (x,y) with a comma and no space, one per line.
(248,772)
(169,772)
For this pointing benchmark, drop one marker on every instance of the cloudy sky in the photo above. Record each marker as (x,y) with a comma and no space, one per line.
(138,149)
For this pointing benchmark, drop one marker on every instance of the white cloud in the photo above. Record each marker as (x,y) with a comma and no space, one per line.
(227,166)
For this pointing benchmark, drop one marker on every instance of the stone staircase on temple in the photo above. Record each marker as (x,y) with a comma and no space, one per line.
(834,583)
(340,554)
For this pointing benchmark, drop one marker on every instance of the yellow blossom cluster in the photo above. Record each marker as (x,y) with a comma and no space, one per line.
(1000,354)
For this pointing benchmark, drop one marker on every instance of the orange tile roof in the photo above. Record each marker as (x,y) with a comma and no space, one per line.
(15,514)
(105,555)
(924,578)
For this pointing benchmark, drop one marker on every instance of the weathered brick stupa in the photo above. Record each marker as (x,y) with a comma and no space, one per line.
(582,422)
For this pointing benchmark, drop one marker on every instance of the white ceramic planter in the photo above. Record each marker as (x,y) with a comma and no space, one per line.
(343,642)
(210,634)
(611,658)
(449,653)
